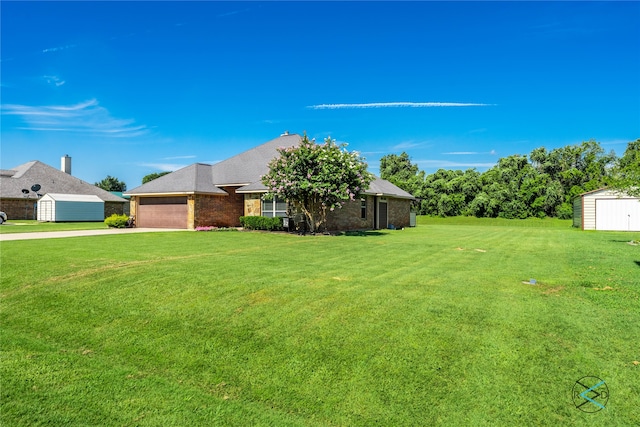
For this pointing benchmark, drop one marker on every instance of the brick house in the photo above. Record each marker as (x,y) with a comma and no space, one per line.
(19,201)
(218,195)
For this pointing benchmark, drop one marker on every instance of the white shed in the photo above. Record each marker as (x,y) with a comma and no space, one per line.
(606,210)
(54,207)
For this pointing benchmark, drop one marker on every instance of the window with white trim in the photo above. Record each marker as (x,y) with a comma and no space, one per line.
(274,207)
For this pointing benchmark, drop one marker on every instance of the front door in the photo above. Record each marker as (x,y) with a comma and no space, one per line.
(382,213)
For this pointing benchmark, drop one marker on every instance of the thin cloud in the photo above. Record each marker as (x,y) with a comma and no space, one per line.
(448,164)
(57,49)
(395,105)
(406,145)
(469,153)
(374,152)
(86,117)
(481,130)
(233,12)
(54,80)
(164,167)
(615,142)
(180,157)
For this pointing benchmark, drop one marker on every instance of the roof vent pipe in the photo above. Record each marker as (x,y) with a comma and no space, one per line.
(65,164)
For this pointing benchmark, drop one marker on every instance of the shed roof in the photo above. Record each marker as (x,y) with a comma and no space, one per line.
(51,180)
(86,198)
(607,191)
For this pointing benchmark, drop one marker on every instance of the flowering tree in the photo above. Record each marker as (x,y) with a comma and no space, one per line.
(316,177)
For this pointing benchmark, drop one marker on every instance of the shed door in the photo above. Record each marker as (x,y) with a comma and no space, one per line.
(618,214)
(162,212)
(45,213)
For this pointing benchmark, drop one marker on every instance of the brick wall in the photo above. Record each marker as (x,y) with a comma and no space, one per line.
(399,211)
(219,211)
(111,208)
(349,217)
(18,208)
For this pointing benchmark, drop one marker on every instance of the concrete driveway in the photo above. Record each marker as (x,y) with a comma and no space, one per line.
(80,233)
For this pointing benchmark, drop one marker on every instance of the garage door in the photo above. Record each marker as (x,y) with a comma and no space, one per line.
(618,214)
(162,212)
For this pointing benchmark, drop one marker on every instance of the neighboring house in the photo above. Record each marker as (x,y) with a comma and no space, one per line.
(126,198)
(218,195)
(605,209)
(19,200)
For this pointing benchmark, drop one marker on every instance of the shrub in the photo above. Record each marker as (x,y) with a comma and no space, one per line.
(565,211)
(261,223)
(116,221)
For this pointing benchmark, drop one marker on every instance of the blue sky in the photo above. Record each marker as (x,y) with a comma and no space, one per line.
(131,88)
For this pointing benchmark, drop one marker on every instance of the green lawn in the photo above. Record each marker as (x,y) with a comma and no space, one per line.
(31,226)
(422,326)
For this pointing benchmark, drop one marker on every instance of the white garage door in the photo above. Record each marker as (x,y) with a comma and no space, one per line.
(618,214)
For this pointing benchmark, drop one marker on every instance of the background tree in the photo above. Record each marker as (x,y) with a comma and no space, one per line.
(399,170)
(577,168)
(111,183)
(626,174)
(544,184)
(316,177)
(508,189)
(153,176)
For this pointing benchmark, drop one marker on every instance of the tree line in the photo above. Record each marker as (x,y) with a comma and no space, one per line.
(542,184)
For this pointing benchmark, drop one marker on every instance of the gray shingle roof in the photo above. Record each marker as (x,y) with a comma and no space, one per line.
(195,178)
(243,170)
(51,180)
(382,187)
(248,167)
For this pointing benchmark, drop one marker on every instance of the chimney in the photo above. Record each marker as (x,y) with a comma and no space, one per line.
(65,164)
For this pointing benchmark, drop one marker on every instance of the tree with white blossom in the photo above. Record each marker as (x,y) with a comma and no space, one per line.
(316,178)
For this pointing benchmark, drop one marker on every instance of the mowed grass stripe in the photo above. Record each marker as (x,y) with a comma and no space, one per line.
(425,325)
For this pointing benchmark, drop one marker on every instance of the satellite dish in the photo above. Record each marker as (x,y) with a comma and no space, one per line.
(35,188)
(25,191)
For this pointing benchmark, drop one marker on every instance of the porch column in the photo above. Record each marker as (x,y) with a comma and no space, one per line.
(191,212)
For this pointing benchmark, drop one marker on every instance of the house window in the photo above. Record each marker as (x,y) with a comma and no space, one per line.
(363,208)
(274,207)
